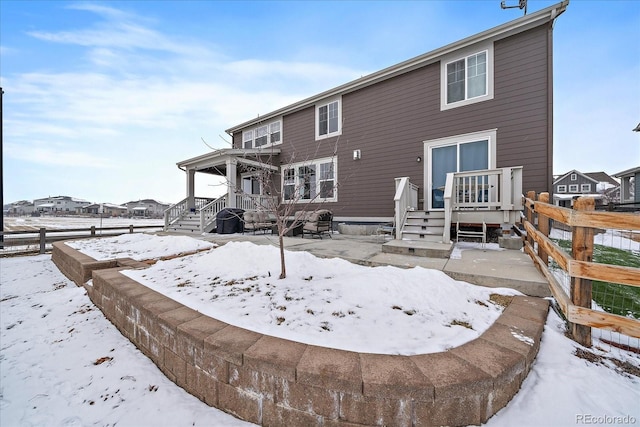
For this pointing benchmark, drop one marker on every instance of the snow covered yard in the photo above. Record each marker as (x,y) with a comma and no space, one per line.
(62,363)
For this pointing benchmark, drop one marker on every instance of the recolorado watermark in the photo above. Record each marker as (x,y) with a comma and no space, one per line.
(605,419)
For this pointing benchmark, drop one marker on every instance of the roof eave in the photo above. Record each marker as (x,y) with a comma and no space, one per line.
(512,27)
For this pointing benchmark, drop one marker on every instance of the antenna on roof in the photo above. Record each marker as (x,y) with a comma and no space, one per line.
(522,4)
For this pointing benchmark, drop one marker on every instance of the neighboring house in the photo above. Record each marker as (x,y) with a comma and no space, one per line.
(60,204)
(147,208)
(629,191)
(22,207)
(574,184)
(105,209)
(406,138)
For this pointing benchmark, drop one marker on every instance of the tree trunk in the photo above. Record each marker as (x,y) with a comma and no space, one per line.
(283,268)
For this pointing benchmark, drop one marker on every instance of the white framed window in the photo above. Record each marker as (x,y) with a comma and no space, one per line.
(585,188)
(262,135)
(562,188)
(466,77)
(574,177)
(310,181)
(328,119)
(573,188)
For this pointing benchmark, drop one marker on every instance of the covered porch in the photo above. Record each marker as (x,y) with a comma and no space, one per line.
(242,172)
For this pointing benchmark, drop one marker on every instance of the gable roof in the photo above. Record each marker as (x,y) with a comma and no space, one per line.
(631,171)
(516,26)
(562,177)
(602,177)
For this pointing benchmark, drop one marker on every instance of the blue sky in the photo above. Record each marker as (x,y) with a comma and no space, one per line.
(103,98)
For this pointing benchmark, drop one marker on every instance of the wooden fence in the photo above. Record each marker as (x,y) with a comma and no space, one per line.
(583,220)
(41,237)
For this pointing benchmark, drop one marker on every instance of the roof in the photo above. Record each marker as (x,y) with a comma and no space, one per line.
(561,177)
(637,128)
(510,28)
(631,171)
(602,177)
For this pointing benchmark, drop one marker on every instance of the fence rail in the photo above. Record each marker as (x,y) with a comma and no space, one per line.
(579,266)
(44,236)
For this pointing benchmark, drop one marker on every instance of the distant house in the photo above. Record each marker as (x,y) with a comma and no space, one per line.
(454,134)
(106,209)
(59,204)
(22,207)
(147,208)
(574,184)
(629,190)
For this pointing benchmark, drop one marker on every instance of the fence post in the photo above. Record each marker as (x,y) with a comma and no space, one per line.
(582,250)
(93,230)
(131,229)
(543,227)
(531,215)
(43,239)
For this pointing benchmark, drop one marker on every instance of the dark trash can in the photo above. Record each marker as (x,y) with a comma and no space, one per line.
(229,221)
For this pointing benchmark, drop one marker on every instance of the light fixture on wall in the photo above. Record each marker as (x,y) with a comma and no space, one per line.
(357,154)
(418,159)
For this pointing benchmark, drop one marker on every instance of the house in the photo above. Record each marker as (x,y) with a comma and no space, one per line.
(22,207)
(574,184)
(60,204)
(452,135)
(146,208)
(105,209)
(629,191)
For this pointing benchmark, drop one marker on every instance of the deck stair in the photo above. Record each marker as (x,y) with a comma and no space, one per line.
(424,226)
(190,223)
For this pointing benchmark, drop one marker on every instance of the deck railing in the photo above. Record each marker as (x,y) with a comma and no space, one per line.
(208,212)
(250,202)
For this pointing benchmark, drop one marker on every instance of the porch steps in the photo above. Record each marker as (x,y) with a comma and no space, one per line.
(424,226)
(187,224)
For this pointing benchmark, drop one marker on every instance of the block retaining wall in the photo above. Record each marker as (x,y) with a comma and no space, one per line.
(275,382)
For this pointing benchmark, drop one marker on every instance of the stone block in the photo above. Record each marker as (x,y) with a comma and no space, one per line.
(212,364)
(306,398)
(358,409)
(277,415)
(390,376)
(230,343)
(510,242)
(177,366)
(252,381)
(243,405)
(168,322)
(275,356)
(331,369)
(202,385)
(191,334)
(529,308)
(514,339)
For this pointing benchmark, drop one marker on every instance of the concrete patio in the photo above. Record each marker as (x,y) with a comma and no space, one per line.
(468,262)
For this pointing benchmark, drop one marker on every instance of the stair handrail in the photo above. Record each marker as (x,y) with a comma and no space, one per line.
(405,199)
(174,212)
(448,207)
(209,211)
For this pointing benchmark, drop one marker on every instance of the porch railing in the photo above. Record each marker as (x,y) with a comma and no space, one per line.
(490,189)
(406,199)
(175,212)
(208,212)
(255,202)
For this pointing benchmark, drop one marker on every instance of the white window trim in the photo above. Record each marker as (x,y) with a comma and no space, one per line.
(574,177)
(585,187)
(489,134)
(317,118)
(254,133)
(573,188)
(456,57)
(315,163)
(562,188)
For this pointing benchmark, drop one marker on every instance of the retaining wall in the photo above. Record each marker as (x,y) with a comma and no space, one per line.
(275,382)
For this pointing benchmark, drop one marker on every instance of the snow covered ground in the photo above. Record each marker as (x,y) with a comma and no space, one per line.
(63,364)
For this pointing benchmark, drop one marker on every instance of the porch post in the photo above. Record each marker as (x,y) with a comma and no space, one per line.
(191,200)
(231,182)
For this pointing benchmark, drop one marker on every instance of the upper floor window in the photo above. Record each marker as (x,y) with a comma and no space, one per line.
(266,134)
(562,188)
(467,79)
(574,177)
(328,119)
(585,188)
(573,188)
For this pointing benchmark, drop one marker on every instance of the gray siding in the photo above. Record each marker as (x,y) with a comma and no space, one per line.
(390,120)
(580,179)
